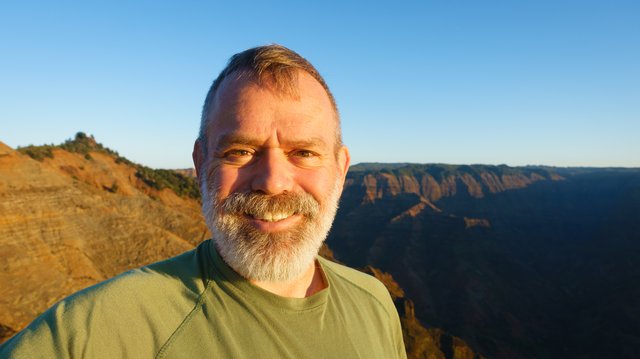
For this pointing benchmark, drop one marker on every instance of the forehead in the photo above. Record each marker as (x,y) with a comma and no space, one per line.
(244,106)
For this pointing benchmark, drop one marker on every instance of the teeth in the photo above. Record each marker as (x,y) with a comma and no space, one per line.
(273,217)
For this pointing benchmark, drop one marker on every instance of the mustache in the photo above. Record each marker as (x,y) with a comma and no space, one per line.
(258,204)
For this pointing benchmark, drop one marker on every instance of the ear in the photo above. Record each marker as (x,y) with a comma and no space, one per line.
(343,162)
(198,158)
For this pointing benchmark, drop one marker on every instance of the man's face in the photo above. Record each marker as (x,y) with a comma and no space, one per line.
(272,177)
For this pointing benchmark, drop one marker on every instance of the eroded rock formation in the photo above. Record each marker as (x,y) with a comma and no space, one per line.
(72,220)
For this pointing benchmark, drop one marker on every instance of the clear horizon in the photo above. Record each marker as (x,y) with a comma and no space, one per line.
(540,83)
(402,162)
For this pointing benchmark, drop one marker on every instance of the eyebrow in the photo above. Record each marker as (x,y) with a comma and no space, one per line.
(312,142)
(235,139)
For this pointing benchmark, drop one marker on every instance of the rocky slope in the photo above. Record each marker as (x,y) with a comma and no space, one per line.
(431,343)
(74,219)
(529,262)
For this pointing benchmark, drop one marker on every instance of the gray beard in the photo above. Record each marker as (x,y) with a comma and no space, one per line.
(274,257)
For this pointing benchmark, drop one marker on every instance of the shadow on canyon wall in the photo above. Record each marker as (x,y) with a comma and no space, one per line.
(530,262)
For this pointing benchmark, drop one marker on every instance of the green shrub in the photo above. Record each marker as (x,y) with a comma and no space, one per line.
(158,179)
(38,153)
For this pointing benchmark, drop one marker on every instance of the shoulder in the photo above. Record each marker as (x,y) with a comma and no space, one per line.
(357,288)
(170,287)
(136,311)
(360,283)
(181,274)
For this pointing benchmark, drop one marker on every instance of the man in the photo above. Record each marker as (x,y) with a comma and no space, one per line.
(271,167)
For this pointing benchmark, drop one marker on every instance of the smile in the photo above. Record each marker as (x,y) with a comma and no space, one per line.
(274,222)
(271,217)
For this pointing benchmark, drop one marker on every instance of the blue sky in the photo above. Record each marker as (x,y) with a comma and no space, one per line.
(514,82)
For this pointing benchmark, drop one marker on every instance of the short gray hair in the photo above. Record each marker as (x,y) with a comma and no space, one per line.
(274,63)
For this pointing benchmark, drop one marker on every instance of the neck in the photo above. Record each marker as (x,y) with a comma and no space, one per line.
(310,282)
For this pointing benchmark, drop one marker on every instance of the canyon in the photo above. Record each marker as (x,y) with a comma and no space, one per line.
(527,262)
(481,261)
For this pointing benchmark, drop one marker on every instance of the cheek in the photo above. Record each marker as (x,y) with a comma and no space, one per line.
(230,180)
(319,184)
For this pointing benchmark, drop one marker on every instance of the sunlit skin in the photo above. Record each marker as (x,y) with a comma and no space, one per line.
(261,141)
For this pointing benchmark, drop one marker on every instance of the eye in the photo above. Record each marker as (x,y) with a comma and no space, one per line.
(239,153)
(305,158)
(237,156)
(304,154)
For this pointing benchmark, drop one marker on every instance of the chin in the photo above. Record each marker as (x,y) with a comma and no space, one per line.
(273,257)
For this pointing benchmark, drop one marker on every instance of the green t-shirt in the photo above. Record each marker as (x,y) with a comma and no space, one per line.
(195,306)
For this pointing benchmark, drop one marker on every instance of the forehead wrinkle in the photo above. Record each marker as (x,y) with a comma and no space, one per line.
(314,142)
(229,139)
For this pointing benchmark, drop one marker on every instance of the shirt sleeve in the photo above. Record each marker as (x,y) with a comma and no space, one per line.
(399,341)
(45,337)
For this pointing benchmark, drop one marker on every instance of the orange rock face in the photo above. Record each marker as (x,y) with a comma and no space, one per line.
(477,183)
(73,220)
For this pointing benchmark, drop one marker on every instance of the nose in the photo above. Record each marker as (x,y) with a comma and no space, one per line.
(272,173)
